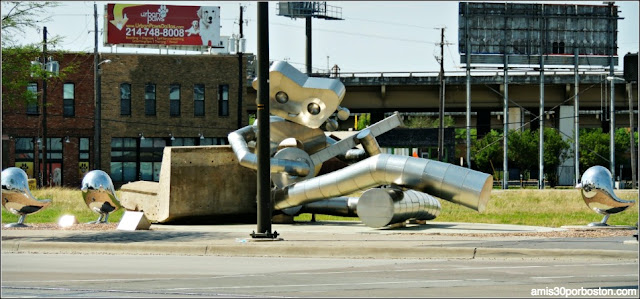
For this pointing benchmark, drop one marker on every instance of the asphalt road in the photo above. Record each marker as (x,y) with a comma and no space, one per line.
(90,275)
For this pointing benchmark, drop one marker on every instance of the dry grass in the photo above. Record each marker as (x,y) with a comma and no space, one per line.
(64,201)
(549,207)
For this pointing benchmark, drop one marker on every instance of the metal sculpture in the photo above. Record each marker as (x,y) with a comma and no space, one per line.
(301,105)
(597,192)
(99,194)
(17,198)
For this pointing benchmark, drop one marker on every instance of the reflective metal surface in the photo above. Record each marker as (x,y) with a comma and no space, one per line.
(282,179)
(597,192)
(337,206)
(239,143)
(379,207)
(348,143)
(369,142)
(16,196)
(453,183)
(310,101)
(99,194)
(298,149)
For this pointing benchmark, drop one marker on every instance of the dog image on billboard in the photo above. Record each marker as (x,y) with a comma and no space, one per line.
(208,33)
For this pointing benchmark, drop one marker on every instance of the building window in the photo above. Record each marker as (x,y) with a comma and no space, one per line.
(214,141)
(83,157)
(123,159)
(68,98)
(151,158)
(223,100)
(557,48)
(180,141)
(174,100)
(25,155)
(125,99)
(32,101)
(198,100)
(54,161)
(150,99)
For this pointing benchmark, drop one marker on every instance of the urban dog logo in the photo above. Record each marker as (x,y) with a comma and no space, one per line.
(156,16)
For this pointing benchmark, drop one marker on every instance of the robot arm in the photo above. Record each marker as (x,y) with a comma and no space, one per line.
(239,139)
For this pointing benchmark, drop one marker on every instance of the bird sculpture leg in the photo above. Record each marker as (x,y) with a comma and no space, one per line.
(601,223)
(96,221)
(20,222)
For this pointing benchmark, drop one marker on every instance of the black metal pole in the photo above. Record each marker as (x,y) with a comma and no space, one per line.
(264,165)
(96,95)
(441,110)
(308,53)
(240,73)
(631,139)
(44,110)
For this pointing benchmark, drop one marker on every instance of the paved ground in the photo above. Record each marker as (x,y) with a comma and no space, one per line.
(335,239)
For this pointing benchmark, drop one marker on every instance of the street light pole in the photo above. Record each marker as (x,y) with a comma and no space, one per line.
(45,178)
(241,72)
(96,95)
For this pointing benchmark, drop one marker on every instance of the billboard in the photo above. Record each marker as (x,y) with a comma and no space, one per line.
(489,30)
(162,25)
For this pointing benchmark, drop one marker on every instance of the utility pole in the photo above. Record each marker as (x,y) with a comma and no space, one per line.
(441,111)
(240,70)
(96,97)
(45,176)
(612,100)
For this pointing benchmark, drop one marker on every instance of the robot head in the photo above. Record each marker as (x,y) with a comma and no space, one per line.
(299,98)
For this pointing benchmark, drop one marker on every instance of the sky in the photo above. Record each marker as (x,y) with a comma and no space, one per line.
(375,36)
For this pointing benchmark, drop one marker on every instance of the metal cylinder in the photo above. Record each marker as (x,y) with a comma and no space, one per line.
(369,142)
(338,206)
(378,207)
(453,183)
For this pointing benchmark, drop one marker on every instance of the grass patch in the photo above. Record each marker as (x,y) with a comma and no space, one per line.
(549,207)
(63,201)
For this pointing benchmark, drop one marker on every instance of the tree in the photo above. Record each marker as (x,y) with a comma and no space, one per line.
(16,74)
(522,145)
(487,152)
(556,150)
(23,15)
(594,148)
(17,17)
(428,122)
(364,120)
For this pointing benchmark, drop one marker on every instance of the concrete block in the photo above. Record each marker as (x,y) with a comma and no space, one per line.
(197,183)
(133,221)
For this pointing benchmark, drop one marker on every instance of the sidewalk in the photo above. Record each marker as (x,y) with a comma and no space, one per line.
(332,239)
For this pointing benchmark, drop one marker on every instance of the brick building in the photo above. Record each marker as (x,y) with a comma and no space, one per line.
(153,101)
(69,122)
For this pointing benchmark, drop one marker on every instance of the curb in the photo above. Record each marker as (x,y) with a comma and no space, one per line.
(262,249)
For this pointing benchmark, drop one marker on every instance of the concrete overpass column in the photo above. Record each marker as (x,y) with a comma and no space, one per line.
(566,175)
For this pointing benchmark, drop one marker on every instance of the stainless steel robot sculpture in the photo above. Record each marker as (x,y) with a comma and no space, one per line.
(17,198)
(396,188)
(597,192)
(99,194)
